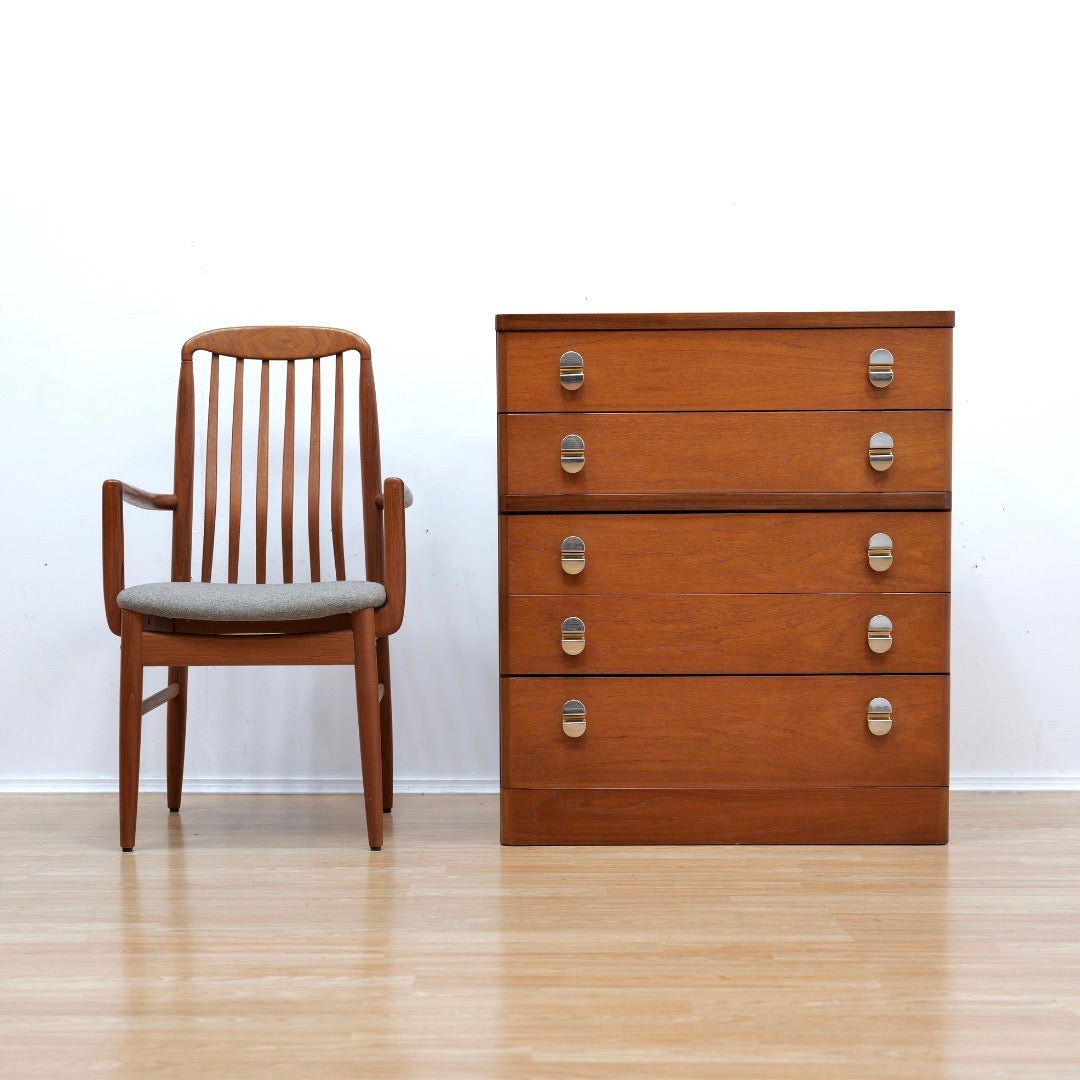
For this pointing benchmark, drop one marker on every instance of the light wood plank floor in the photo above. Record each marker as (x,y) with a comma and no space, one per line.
(256,936)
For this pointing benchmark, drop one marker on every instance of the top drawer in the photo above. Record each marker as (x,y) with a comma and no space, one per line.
(691,370)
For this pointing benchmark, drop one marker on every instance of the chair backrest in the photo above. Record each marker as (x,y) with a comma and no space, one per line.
(264,346)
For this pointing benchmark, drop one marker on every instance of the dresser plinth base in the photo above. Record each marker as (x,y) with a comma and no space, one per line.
(857,815)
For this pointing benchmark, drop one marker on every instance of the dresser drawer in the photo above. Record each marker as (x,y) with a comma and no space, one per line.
(772,634)
(725,369)
(725,553)
(751,452)
(725,732)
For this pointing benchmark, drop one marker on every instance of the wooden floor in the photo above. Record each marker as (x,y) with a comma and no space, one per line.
(256,936)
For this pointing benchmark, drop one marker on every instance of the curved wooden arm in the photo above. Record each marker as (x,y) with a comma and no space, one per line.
(145,500)
(114,493)
(388,617)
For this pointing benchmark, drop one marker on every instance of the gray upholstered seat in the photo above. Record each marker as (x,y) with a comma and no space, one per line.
(215,600)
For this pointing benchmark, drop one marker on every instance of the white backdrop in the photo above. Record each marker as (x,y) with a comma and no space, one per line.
(408,171)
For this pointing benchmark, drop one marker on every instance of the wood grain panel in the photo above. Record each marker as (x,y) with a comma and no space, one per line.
(727,553)
(726,500)
(220,650)
(768,634)
(913,815)
(674,453)
(631,370)
(723,320)
(725,732)
(276,342)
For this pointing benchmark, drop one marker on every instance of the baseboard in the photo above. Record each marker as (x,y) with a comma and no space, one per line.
(317,785)
(1015,783)
(275,785)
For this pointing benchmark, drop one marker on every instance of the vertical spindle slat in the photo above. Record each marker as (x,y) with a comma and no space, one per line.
(287,450)
(337,481)
(236,471)
(183,472)
(370,472)
(211,480)
(314,446)
(262,474)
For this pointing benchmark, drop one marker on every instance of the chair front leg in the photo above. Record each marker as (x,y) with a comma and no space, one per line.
(176,736)
(367,707)
(131,698)
(382,653)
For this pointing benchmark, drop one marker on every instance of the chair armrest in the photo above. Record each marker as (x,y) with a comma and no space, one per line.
(388,617)
(408,497)
(114,493)
(145,500)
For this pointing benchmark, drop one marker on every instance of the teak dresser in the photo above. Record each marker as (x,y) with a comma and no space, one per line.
(724,577)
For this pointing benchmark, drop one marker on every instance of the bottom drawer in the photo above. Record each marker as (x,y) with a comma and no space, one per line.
(725,732)
(915,815)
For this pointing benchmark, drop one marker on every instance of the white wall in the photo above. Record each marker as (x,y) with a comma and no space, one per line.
(410,170)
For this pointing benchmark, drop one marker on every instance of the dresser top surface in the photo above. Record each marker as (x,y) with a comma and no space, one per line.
(726,320)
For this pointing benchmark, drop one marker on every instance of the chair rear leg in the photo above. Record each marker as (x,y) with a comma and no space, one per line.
(131,696)
(382,653)
(176,737)
(368,714)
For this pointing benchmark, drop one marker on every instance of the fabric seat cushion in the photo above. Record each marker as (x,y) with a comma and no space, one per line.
(215,600)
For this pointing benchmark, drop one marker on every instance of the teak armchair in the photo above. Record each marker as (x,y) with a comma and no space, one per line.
(182,623)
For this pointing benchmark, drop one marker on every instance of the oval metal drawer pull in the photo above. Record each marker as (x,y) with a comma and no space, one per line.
(879,634)
(879,551)
(573,636)
(880,370)
(878,716)
(573,719)
(573,453)
(573,555)
(881,451)
(572,370)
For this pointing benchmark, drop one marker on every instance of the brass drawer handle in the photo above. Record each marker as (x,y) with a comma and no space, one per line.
(573,555)
(573,453)
(880,369)
(878,716)
(573,719)
(573,636)
(879,551)
(881,451)
(879,634)
(571,370)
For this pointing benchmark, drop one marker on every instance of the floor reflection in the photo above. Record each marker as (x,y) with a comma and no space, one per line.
(736,953)
(249,932)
